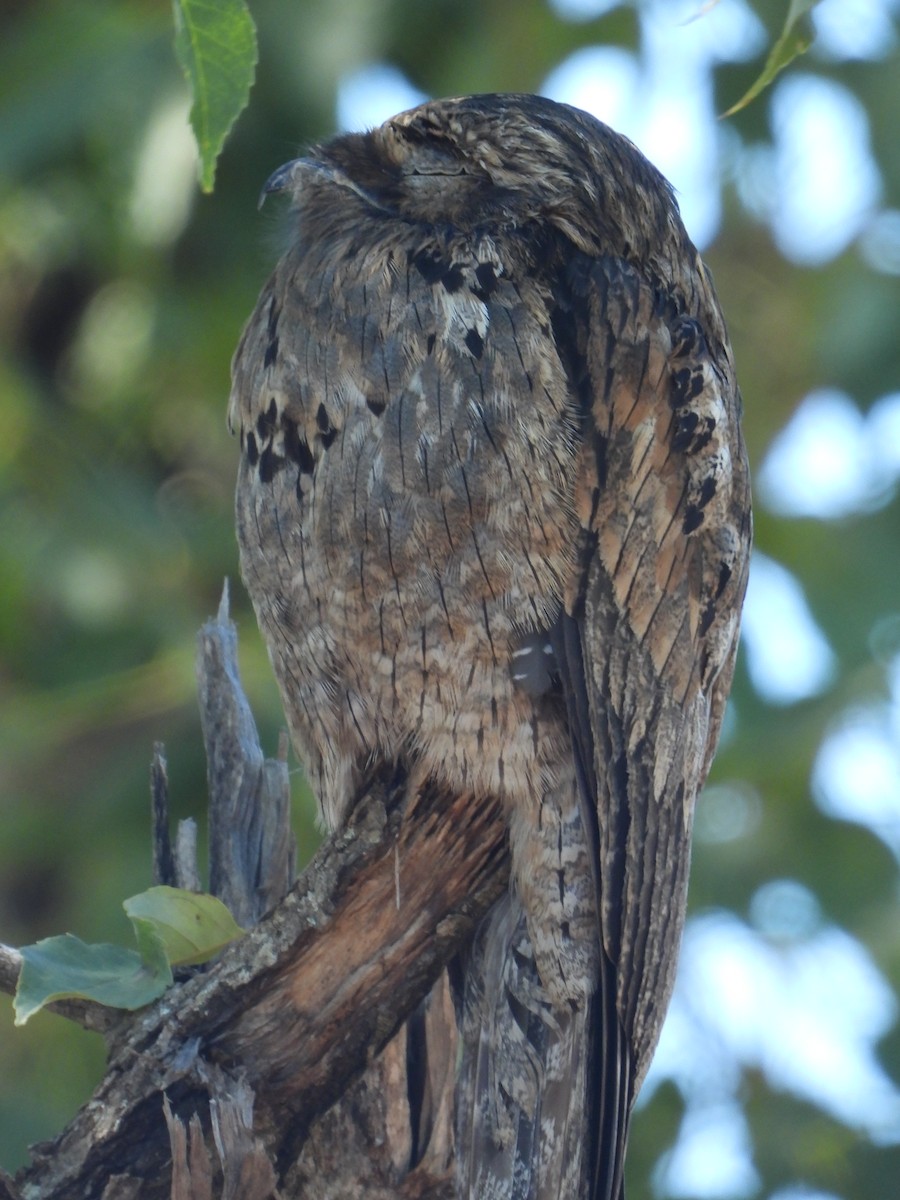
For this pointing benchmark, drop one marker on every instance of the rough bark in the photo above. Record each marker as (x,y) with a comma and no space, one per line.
(215,1089)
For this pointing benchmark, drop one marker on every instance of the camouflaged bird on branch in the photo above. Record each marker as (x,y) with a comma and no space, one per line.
(494,516)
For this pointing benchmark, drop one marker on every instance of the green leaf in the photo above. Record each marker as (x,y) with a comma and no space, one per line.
(191,926)
(172,928)
(64,967)
(796,38)
(215,41)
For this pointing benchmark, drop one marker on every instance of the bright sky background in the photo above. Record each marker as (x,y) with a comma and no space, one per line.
(786,992)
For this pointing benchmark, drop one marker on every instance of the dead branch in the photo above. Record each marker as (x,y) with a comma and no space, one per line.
(297,1009)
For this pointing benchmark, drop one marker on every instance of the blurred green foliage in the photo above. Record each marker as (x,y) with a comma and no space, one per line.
(122,295)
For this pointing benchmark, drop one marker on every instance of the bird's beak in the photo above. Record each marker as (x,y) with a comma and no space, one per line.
(285,177)
(280,180)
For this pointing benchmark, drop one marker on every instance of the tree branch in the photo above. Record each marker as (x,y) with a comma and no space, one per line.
(300,1005)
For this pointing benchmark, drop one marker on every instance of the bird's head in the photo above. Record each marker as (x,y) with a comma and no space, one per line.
(498,160)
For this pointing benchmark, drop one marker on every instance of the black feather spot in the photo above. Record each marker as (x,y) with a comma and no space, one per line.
(693,518)
(376,405)
(687,384)
(724,576)
(267,422)
(707,491)
(475,343)
(486,284)
(565,335)
(685,427)
(691,432)
(270,464)
(271,352)
(704,435)
(680,382)
(297,448)
(453,278)
(430,265)
(327,432)
(252,450)
(274,314)
(687,338)
(707,617)
(431,341)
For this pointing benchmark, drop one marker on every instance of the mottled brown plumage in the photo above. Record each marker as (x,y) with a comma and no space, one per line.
(493,513)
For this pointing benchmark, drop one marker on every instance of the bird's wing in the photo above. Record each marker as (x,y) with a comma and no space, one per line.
(645,645)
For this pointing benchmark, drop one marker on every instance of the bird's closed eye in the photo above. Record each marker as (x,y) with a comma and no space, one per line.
(430,152)
(434,160)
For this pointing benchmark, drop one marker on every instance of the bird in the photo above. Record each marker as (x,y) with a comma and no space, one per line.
(493,515)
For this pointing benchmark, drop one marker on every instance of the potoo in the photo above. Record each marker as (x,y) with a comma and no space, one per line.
(494,516)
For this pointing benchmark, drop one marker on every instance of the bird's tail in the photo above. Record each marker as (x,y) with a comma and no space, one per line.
(527,1118)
